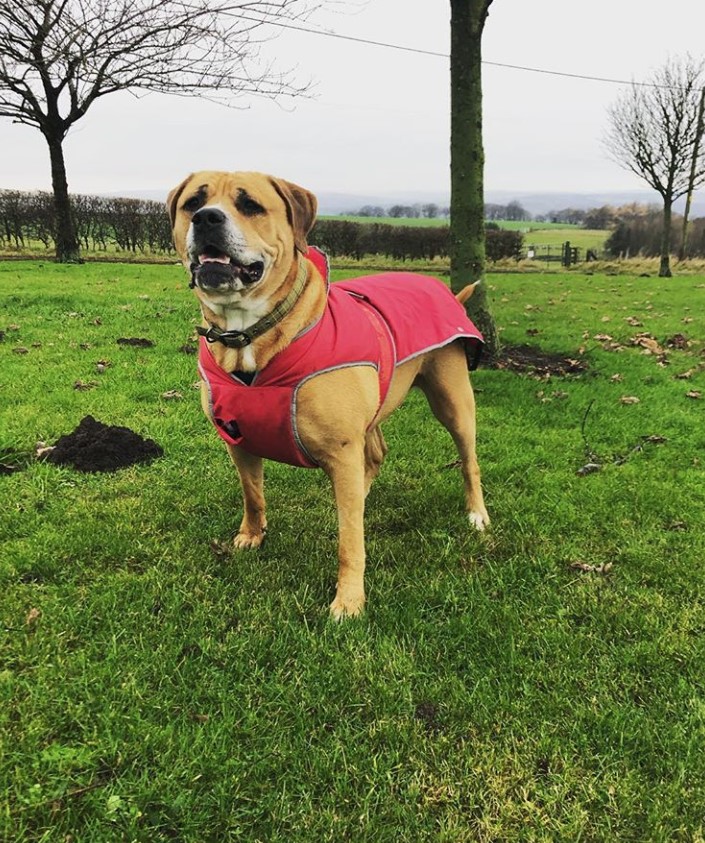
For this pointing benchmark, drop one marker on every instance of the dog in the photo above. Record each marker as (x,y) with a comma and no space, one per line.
(275,378)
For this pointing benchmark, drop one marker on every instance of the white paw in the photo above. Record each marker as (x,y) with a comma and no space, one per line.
(347,607)
(247,541)
(478,520)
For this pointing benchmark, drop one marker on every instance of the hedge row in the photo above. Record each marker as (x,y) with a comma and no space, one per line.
(141,225)
(341,238)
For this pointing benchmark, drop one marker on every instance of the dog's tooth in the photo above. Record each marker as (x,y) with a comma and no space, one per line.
(211,259)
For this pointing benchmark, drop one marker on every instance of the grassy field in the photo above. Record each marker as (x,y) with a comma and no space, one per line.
(545,682)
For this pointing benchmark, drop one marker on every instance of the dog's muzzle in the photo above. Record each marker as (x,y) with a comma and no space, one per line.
(215,266)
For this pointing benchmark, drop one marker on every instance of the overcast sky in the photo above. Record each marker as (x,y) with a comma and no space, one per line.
(379,120)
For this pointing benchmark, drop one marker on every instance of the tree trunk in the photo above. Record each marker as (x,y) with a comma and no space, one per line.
(67,246)
(665,265)
(467,161)
(699,131)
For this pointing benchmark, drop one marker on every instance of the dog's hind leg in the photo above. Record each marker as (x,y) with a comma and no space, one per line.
(445,383)
(254,522)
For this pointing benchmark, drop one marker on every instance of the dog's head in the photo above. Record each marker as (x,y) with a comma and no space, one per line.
(239,231)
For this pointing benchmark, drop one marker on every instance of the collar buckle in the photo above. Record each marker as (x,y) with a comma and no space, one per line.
(230,339)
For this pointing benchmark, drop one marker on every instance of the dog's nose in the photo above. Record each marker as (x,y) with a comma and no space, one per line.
(208,219)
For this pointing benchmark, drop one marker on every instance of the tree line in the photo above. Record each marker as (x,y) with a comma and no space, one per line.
(642,234)
(139,225)
(102,222)
(343,238)
(513,210)
(106,223)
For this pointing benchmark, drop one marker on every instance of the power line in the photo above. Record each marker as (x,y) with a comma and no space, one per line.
(436,54)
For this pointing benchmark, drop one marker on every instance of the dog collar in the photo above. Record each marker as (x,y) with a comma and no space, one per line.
(240,339)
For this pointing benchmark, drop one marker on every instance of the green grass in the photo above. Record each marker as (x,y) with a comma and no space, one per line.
(154,688)
(555,237)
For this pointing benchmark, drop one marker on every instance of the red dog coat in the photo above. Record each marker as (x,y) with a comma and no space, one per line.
(379,321)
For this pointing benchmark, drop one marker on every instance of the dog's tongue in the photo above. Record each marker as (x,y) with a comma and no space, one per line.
(220,258)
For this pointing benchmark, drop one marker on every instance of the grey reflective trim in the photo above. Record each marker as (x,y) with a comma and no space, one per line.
(204,378)
(445,342)
(308,328)
(295,395)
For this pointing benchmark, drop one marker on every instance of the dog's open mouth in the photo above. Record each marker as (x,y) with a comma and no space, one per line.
(215,269)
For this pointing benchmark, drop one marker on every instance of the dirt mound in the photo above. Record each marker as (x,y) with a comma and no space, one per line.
(137,342)
(94,446)
(527,359)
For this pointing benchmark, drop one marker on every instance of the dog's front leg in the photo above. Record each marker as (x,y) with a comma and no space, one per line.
(254,521)
(347,475)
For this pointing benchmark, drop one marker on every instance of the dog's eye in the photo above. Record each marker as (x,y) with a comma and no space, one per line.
(193,204)
(247,205)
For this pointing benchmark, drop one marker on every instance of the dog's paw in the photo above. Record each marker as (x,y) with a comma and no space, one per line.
(247,541)
(347,606)
(479,519)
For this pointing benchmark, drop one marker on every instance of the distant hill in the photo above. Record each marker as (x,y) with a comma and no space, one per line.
(536,203)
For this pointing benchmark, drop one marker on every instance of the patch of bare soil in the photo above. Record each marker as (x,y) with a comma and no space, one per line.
(529,360)
(137,342)
(94,446)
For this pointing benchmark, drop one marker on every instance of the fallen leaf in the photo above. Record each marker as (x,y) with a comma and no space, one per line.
(677,526)
(605,568)
(20,349)
(694,393)
(84,386)
(589,468)
(684,376)
(686,320)
(172,395)
(633,321)
(603,338)
(647,342)
(629,399)
(677,341)
(606,319)
(41,449)
(617,378)
(32,616)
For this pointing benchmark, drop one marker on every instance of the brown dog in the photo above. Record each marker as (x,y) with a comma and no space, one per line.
(242,236)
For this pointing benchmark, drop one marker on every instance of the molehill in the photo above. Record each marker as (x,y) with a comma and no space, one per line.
(94,446)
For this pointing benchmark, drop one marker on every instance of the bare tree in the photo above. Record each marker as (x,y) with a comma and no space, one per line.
(699,131)
(655,130)
(57,57)
(467,161)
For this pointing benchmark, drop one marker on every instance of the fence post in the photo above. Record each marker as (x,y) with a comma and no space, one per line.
(566,254)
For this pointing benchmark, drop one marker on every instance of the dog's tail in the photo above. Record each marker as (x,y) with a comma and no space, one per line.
(466,292)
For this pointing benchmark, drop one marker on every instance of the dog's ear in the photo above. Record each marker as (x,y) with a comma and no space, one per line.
(301,207)
(172,199)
